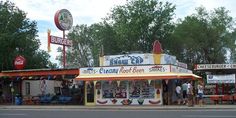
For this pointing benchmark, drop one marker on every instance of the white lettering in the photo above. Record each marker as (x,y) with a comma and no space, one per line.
(60,41)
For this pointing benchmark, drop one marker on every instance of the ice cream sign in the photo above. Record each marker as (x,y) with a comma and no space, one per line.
(128,59)
(125,70)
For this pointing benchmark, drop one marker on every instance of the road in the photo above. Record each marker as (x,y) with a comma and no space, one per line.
(96,113)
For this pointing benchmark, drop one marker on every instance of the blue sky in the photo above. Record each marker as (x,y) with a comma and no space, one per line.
(91,11)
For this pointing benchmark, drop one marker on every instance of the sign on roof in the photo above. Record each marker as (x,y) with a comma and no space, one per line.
(117,70)
(214,66)
(128,59)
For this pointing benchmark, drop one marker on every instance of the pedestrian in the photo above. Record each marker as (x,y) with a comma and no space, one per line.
(200,93)
(184,88)
(190,94)
(178,93)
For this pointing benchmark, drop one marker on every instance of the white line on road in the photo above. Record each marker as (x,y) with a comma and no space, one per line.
(206,116)
(5,114)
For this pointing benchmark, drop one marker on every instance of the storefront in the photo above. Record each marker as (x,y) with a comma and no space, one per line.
(130,84)
(33,85)
(219,82)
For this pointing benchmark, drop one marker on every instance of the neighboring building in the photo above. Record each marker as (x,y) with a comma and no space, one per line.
(219,81)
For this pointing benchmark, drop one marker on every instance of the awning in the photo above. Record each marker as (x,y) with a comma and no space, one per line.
(157,76)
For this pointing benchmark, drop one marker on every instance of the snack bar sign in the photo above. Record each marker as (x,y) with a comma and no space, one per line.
(128,59)
(214,66)
(125,70)
(230,78)
(60,41)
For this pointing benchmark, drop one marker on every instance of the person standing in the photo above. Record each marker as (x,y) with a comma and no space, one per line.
(190,94)
(200,93)
(184,88)
(178,93)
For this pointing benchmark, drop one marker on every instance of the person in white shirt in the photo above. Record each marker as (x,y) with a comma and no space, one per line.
(184,88)
(190,94)
(178,93)
(200,93)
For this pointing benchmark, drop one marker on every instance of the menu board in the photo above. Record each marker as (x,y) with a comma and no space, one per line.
(141,89)
(112,90)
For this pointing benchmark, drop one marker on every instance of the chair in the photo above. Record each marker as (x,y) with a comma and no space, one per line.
(27,100)
(215,99)
(226,98)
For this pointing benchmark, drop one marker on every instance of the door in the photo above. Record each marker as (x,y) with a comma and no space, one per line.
(89,93)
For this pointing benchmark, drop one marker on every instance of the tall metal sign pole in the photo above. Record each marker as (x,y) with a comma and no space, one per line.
(64,21)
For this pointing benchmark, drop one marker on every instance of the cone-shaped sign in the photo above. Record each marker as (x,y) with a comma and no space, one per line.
(149,81)
(110,82)
(118,83)
(94,82)
(166,81)
(157,49)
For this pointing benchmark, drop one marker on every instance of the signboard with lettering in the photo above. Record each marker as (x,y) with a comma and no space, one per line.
(128,59)
(230,78)
(63,19)
(125,70)
(177,69)
(214,66)
(60,41)
(19,62)
(168,59)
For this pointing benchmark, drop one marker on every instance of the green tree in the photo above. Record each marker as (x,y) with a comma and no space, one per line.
(131,27)
(18,37)
(139,22)
(203,37)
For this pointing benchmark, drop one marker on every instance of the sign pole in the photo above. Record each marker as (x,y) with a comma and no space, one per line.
(63,20)
(64,51)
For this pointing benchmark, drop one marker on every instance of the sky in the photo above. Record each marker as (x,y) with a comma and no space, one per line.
(92,11)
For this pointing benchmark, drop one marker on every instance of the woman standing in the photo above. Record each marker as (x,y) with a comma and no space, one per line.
(200,93)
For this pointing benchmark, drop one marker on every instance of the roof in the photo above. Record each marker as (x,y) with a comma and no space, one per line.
(40,72)
(156,76)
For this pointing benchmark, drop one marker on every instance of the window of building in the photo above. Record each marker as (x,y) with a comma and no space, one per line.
(27,88)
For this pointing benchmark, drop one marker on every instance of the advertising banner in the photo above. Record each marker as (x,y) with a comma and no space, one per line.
(214,66)
(230,78)
(125,70)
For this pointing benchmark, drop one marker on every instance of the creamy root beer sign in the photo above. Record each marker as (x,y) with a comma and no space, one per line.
(125,70)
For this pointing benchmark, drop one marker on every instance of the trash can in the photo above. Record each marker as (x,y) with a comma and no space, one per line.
(18,100)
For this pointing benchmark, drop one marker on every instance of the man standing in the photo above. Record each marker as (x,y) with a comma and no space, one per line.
(178,93)
(190,94)
(185,87)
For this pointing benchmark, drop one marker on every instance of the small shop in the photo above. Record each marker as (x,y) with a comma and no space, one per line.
(129,85)
(134,78)
(41,86)
(219,82)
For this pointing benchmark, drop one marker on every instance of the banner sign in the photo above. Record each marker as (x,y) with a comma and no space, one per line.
(214,66)
(60,41)
(128,59)
(19,62)
(168,59)
(125,70)
(230,78)
(181,64)
(177,69)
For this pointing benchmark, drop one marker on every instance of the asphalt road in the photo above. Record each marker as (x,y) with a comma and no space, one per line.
(91,113)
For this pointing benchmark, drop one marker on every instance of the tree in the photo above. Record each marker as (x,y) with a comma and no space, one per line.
(203,37)
(131,27)
(79,55)
(18,37)
(140,22)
